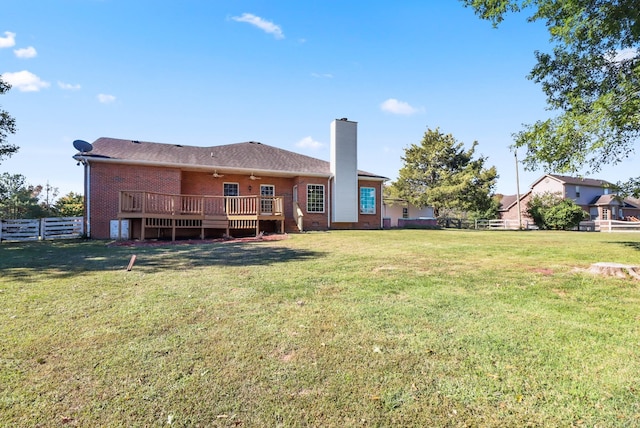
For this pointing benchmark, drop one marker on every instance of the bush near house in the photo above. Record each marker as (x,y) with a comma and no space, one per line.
(565,215)
(550,211)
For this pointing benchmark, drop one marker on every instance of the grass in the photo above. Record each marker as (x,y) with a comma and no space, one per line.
(379,328)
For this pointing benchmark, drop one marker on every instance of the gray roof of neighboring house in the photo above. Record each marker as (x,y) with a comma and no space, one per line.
(612,199)
(507,201)
(633,201)
(606,200)
(247,156)
(579,181)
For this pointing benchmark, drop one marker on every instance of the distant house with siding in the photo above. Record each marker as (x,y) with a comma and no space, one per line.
(595,196)
(396,210)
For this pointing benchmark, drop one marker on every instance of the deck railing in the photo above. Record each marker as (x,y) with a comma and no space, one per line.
(152,203)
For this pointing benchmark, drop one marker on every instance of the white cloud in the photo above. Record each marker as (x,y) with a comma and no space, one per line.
(266,26)
(29,52)
(106,99)
(398,107)
(624,54)
(9,40)
(309,143)
(322,75)
(25,81)
(68,86)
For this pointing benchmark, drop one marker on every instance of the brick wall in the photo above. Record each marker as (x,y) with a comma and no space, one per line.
(108,179)
(512,213)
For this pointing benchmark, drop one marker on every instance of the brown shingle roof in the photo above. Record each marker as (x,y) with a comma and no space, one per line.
(252,156)
(606,200)
(507,201)
(581,181)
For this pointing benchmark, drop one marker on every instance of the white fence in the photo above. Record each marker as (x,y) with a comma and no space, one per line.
(44,228)
(609,226)
(503,224)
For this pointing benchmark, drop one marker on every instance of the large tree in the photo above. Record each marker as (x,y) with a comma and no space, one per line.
(7,126)
(591,81)
(439,172)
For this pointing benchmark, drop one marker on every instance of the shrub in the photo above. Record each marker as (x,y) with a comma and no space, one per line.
(550,211)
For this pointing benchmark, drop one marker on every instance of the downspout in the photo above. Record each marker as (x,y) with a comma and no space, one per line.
(383,207)
(87,195)
(329,202)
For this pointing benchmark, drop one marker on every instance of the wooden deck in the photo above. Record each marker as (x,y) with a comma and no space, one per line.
(166,211)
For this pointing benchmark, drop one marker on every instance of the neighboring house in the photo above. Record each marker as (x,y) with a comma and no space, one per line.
(593,195)
(400,209)
(173,191)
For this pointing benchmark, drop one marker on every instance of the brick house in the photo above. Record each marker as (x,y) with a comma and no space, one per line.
(144,190)
(594,196)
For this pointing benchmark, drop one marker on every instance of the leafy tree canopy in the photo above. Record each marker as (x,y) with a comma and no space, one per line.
(70,205)
(591,81)
(439,172)
(7,126)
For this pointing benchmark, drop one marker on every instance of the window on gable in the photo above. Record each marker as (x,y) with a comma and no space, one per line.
(315,198)
(367,200)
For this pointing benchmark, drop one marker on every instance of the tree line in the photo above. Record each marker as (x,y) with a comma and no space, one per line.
(18,199)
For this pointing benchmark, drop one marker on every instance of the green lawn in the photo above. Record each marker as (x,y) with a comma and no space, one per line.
(378,328)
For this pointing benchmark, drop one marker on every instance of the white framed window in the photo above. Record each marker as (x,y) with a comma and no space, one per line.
(267,192)
(405,212)
(315,198)
(577,191)
(231,203)
(231,189)
(367,200)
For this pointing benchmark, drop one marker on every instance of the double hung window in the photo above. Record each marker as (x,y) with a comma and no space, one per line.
(367,200)
(315,198)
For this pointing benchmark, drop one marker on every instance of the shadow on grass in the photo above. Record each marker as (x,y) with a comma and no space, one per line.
(60,259)
(634,245)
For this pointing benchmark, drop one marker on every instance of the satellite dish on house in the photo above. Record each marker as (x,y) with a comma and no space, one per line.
(216,175)
(253,177)
(82,146)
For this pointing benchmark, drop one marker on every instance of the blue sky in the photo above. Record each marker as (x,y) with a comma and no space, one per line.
(199,72)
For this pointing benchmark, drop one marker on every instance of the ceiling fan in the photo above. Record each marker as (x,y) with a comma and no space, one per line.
(216,175)
(253,177)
